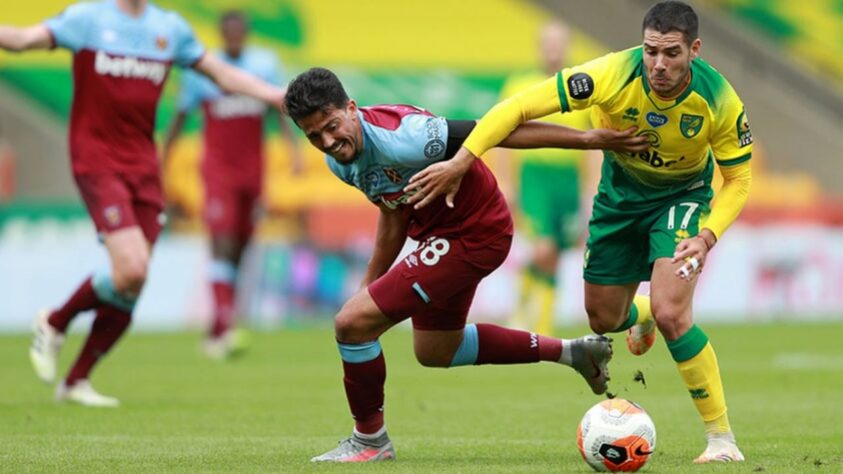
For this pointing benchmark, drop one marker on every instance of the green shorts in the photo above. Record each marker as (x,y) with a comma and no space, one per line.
(550,201)
(633,224)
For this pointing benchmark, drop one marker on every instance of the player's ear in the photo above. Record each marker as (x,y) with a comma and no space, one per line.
(695,48)
(352,107)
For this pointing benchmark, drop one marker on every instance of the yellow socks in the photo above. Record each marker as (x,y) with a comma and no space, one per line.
(535,312)
(698,367)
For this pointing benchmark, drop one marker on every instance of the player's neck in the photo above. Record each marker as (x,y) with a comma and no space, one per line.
(132,7)
(678,91)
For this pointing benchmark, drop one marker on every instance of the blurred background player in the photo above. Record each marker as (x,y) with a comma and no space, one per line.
(377,149)
(651,216)
(122,52)
(550,183)
(232,167)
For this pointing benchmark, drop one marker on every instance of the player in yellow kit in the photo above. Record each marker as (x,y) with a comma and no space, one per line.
(651,217)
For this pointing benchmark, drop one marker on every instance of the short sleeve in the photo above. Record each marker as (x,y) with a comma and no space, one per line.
(597,81)
(70,28)
(420,140)
(188,49)
(731,140)
(190,96)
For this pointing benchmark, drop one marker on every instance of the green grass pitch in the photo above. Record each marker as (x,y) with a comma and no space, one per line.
(283,402)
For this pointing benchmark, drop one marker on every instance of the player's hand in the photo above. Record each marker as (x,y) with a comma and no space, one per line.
(438,179)
(624,141)
(692,252)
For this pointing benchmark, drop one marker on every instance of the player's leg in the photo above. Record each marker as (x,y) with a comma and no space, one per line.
(616,260)
(688,344)
(357,327)
(442,291)
(538,203)
(108,201)
(226,251)
(128,240)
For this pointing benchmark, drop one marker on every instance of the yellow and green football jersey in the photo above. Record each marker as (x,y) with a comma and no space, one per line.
(708,117)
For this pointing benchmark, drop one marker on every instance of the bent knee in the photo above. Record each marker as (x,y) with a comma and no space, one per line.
(428,359)
(131,276)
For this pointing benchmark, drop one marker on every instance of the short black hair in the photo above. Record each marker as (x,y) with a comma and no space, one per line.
(234,15)
(673,15)
(316,89)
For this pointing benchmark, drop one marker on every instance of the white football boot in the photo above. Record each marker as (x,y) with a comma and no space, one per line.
(44,351)
(84,394)
(721,448)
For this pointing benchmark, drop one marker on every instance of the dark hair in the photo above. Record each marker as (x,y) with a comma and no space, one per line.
(673,15)
(316,89)
(234,15)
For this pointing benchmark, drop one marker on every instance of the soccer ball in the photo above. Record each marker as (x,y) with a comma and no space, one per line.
(616,435)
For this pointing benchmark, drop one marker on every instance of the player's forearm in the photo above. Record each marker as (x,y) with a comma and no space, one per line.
(505,117)
(731,199)
(536,134)
(21,39)
(234,81)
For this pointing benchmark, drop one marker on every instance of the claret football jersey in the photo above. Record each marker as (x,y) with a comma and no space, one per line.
(120,64)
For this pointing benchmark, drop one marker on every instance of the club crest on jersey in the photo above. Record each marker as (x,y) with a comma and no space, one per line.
(656,120)
(393,175)
(690,125)
(112,215)
(744,133)
(161,43)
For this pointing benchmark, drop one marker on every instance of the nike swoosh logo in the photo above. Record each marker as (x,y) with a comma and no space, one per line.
(641,452)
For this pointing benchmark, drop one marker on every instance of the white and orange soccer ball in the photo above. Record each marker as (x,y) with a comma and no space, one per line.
(616,435)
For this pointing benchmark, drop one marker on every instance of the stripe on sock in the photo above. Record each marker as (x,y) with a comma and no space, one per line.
(688,345)
(359,353)
(104,288)
(467,352)
(630,320)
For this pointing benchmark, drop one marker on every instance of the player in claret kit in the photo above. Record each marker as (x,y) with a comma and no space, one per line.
(377,149)
(232,167)
(651,215)
(122,54)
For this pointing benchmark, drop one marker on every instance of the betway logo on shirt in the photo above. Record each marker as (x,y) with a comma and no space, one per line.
(130,68)
(233,106)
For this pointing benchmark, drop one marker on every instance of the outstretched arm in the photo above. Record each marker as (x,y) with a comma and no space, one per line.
(22,39)
(445,177)
(235,81)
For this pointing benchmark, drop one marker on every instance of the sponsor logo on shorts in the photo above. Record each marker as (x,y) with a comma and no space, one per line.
(130,68)
(681,235)
(161,43)
(580,86)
